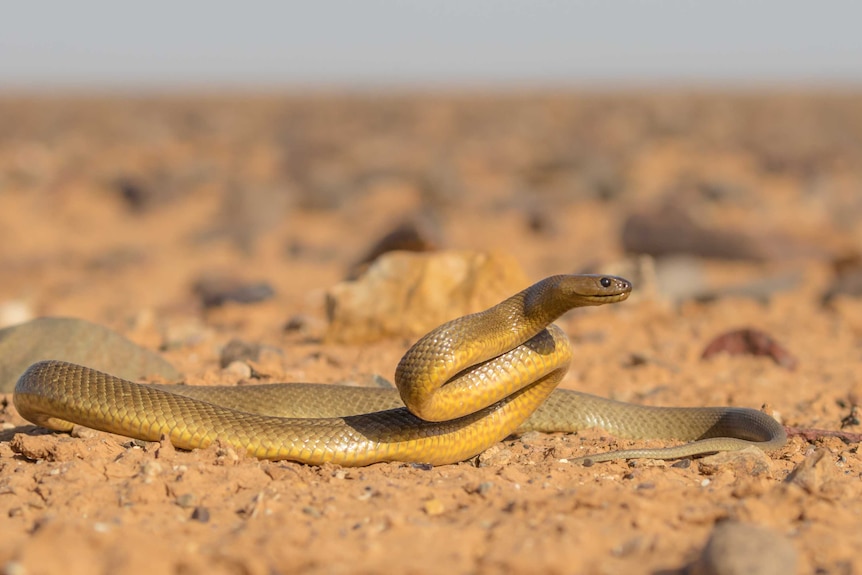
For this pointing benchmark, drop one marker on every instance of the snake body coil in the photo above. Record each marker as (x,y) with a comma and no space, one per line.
(466,385)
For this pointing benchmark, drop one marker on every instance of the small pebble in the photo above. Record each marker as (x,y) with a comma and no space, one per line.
(150,469)
(137,195)
(186,500)
(434,507)
(495,456)
(240,369)
(312,512)
(101,527)
(484,487)
(239,350)
(217,291)
(201,514)
(367,493)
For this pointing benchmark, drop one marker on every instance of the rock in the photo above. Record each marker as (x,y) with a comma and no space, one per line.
(495,456)
(77,341)
(742,549)
(415,235)
(186,500)
(240,369)
(748,462)
(752,342)
(847,281)
(405,294)
(670,230)
(673,230)
(434,507)
(814,473)
(201,514)
(215,291)
(239,350)
(137,194)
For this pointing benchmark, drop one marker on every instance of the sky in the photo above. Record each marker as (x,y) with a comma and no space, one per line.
(168,44)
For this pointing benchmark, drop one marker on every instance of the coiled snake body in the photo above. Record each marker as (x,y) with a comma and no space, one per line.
(466,385)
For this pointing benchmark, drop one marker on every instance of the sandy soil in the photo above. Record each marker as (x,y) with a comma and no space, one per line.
(112,210)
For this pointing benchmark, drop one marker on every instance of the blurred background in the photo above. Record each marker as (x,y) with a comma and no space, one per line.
(145,149)
(161,45)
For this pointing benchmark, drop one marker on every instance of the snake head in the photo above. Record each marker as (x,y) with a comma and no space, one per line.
(555,295)
(590,289)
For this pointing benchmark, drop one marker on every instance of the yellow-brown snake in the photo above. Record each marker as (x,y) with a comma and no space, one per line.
(467,385)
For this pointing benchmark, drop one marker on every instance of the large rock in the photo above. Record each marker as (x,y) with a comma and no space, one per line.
(742,549)
(405,294)
(77,341)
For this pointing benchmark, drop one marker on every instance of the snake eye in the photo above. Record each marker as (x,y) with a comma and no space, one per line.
(606,282)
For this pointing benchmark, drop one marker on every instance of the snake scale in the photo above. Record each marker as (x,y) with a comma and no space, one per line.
(466,385)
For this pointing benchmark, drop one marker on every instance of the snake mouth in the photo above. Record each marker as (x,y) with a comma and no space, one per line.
(607,298)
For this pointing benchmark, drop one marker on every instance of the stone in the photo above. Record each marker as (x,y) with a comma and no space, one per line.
(847,281)
(406,294)
(216,290)
(671,230)
(434,507)
(742,549)
(813,472)
(748,462)
(76,341)
(750,341)
(240,369)
(420,234)
(239,350)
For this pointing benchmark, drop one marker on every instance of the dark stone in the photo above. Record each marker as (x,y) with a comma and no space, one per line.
(216,291)
(239,350)
(751,342)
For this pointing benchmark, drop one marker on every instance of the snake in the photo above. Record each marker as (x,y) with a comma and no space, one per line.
(461,388)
